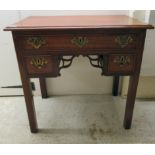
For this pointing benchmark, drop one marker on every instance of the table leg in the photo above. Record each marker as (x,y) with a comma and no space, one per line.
(115,85)
(43,87)
(28,98)
(29,104)
(133,83)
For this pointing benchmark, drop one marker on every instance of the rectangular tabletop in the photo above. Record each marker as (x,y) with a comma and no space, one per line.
(75,22)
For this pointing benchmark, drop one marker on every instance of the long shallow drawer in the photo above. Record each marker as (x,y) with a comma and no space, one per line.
(77,42)
(121,63)
(42,65)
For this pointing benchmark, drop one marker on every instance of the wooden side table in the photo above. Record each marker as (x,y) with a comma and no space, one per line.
(42,43)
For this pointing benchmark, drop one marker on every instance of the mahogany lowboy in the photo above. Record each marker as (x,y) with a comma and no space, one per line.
(112,43)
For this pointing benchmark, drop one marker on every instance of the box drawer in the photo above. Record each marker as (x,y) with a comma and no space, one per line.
(121,63)
(78,42)
(43,65)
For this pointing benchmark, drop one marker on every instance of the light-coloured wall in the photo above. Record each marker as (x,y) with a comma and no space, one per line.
(140,14)
(7,54)
(26,13)
(148,63)
(80,78)
(146,85)
(8,64)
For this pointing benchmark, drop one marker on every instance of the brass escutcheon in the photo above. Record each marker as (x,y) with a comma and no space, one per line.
(36,42)
(122,60)
(39,62)
(79,41)
(123,40)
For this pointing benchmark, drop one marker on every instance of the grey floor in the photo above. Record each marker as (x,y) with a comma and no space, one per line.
(76,119)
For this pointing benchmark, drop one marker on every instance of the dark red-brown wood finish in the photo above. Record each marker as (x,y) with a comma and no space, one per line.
(42,42)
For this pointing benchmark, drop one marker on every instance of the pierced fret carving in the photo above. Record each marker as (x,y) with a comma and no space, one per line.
(65,62)
(97,62)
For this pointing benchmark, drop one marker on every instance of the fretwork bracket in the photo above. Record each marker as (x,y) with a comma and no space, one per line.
(97,61)
(65,62)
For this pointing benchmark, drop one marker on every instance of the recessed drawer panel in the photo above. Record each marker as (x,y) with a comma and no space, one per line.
(78,42)
(121,63)
(42,65)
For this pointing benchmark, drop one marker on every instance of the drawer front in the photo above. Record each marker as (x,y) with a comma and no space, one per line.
(78,42)
(121,63)
(41,65)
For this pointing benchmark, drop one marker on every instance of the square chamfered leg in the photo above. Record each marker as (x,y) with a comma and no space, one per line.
(115,85)
(29,101)
(29,104)
(43,87)
(30,107)
(133,83)
(28,97)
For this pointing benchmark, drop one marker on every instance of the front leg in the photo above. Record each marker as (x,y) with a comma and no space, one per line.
(29,103)
(133,83)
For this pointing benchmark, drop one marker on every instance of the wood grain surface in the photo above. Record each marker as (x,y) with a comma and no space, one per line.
(63,22)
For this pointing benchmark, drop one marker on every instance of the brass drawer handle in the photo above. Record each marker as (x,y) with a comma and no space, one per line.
(39,62)
(122,60)
(79,41)
(123,40)
(36,42)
